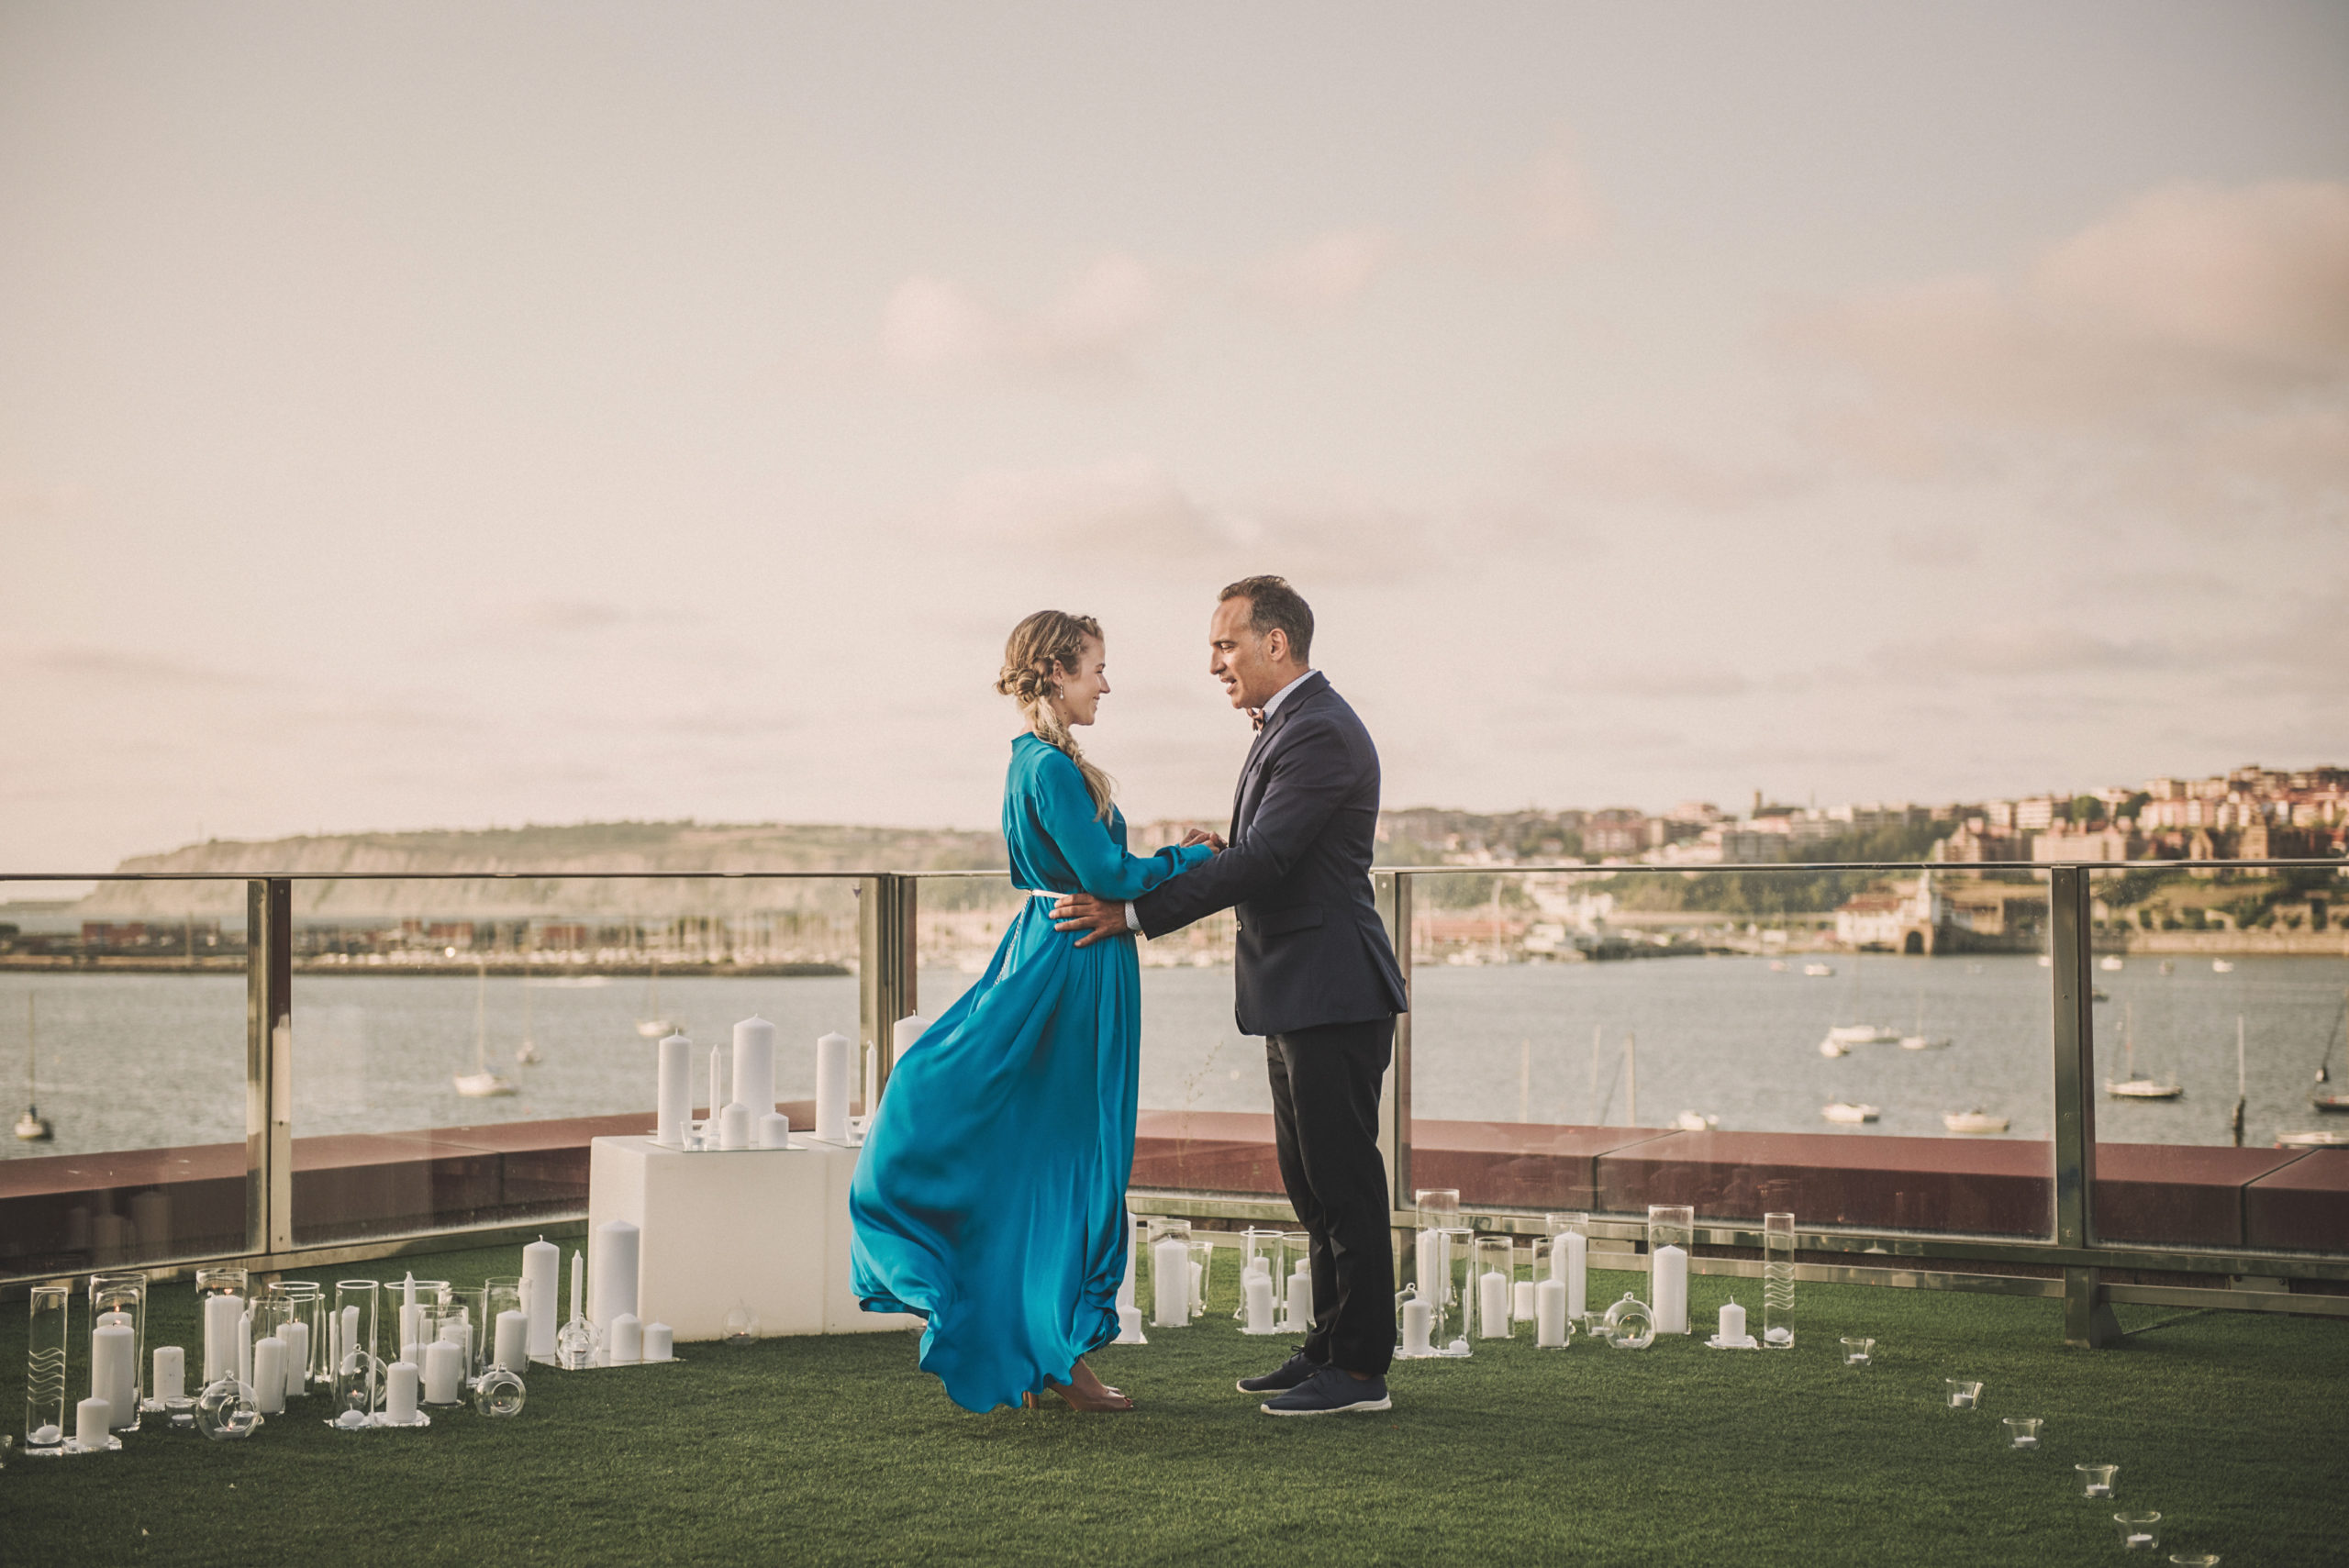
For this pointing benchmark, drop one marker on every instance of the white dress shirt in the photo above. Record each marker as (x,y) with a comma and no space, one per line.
(1133,921)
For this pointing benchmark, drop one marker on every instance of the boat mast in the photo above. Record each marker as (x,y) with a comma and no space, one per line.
(2240,1096)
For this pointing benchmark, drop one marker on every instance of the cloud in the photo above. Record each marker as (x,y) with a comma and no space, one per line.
(573,615)
(2188,297)
(1320,278)
(1646,472)
(2026,652)
(133,669)
(933,326)
(1546,210)
(1122,503)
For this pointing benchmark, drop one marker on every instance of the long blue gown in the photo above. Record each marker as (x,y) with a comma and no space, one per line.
(990,1197)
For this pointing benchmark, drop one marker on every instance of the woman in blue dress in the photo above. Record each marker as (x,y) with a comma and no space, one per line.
(990,1197)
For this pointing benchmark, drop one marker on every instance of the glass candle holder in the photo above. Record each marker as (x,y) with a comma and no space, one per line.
(2022,1432)
(298,1311)
(1455,1311)
(1496,1276)
(1297,1295)
(1263,1281)
(499,1297)
(1569,1257)
(220,1297)
(2195,1558)
(119,1301)
(742,1332)
(500,1393)
(1202,1273)
(1963,1395)
(2096,1480)
(226,1411)
(2139,1532)
(1672,1242)
(1414,1325)
(446,1369)
(50,1335)
(1169,1244)
(1857,1352)
(409,1320)
(1778,1281)
(1629,1324)
(358,1371)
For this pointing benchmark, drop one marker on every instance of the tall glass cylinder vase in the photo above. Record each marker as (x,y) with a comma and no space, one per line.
(1456,1301)
(1170,1273)
(1778,1281)
(1496,1275)
(220,1297)
(502,1295)
(359,1374)
(1570,1258)
(45,1358)
(1263,1275)
(298,1315)
(119,1301)
(1672,1237)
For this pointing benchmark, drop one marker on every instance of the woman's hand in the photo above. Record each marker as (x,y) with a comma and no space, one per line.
(1201,836)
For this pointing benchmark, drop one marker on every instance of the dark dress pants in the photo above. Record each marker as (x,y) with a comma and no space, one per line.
(1325,1128)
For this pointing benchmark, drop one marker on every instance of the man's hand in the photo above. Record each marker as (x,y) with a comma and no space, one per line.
(1201,836)
(1096,919)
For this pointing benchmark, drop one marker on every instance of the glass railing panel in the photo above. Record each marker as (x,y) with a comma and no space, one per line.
(1741,1039)
(1205,1111)
(458,1042)
(122,1043)
(2221,1067)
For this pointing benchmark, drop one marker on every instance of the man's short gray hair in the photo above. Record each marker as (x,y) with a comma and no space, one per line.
(1273,602)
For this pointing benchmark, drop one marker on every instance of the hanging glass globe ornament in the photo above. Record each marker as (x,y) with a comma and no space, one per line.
(226,1409)
(1629,1324)
(499,1393)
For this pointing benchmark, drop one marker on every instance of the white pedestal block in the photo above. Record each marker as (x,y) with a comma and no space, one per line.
(767,1227)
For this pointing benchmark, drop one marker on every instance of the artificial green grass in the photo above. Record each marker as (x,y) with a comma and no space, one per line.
(839,1450)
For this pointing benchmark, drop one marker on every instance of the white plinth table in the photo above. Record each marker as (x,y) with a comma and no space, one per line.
(762,1228)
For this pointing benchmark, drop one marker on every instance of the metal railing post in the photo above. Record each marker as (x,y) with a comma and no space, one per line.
(269,1065)
(1394,891)
(887,910)
(2087,1320)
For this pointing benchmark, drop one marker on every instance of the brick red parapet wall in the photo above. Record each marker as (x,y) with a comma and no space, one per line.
(352,1187)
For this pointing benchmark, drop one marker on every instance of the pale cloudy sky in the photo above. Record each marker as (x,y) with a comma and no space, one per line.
(441,414)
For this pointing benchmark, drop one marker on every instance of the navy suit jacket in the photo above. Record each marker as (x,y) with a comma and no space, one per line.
(1312,948)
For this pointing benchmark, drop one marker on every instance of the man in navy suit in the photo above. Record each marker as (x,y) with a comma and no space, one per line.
(1317,978)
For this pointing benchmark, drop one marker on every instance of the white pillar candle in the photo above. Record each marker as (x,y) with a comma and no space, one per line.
(775,1130)
(578,1279)
(1198,1286)
(1550,1313)
(296,1336)
(908,1029)
(411,1323)
(269,1374)
(245,1348)
(1258,1285)
(1130,1325)
(1574,1267)
(113,1368)
(444,1372)
(1732,1328)
(171,1373)
(1300,1302)
(616,1250)
(734,1127)
(1520,1301)
(1428,1245)
(1492,1303)
(660,1343)
(1419,1322)
(674,1092)
(400,1388)
(511,1347)
(832,1077)
(91,1418)
(623,1346)
(220,1314)
(540,1260)
(1669,1270)
(1170,1284)
(347,1340)
(755,1066)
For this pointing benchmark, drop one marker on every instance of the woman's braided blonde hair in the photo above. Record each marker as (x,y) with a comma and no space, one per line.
(1043,649)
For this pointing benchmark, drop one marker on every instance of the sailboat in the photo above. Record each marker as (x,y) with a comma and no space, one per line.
(2330,1099)
(527,1054)
(32,1127)
(481,1083)
(1920,1041)
(1977,1122)
(2137,1086)
(652,1026)
(1850,1113)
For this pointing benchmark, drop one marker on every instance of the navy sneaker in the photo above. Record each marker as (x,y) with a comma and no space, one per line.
(1283,1378)
(1330,1392)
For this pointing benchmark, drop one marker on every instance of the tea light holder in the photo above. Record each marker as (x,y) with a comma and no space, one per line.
(46,1410)
(499,1393)
(2139,1532)
(2022,1432)
(226,1411)
(1858,1351)
(1629,1324)
(2096,1480)
(1963,1395)
(742,1330)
